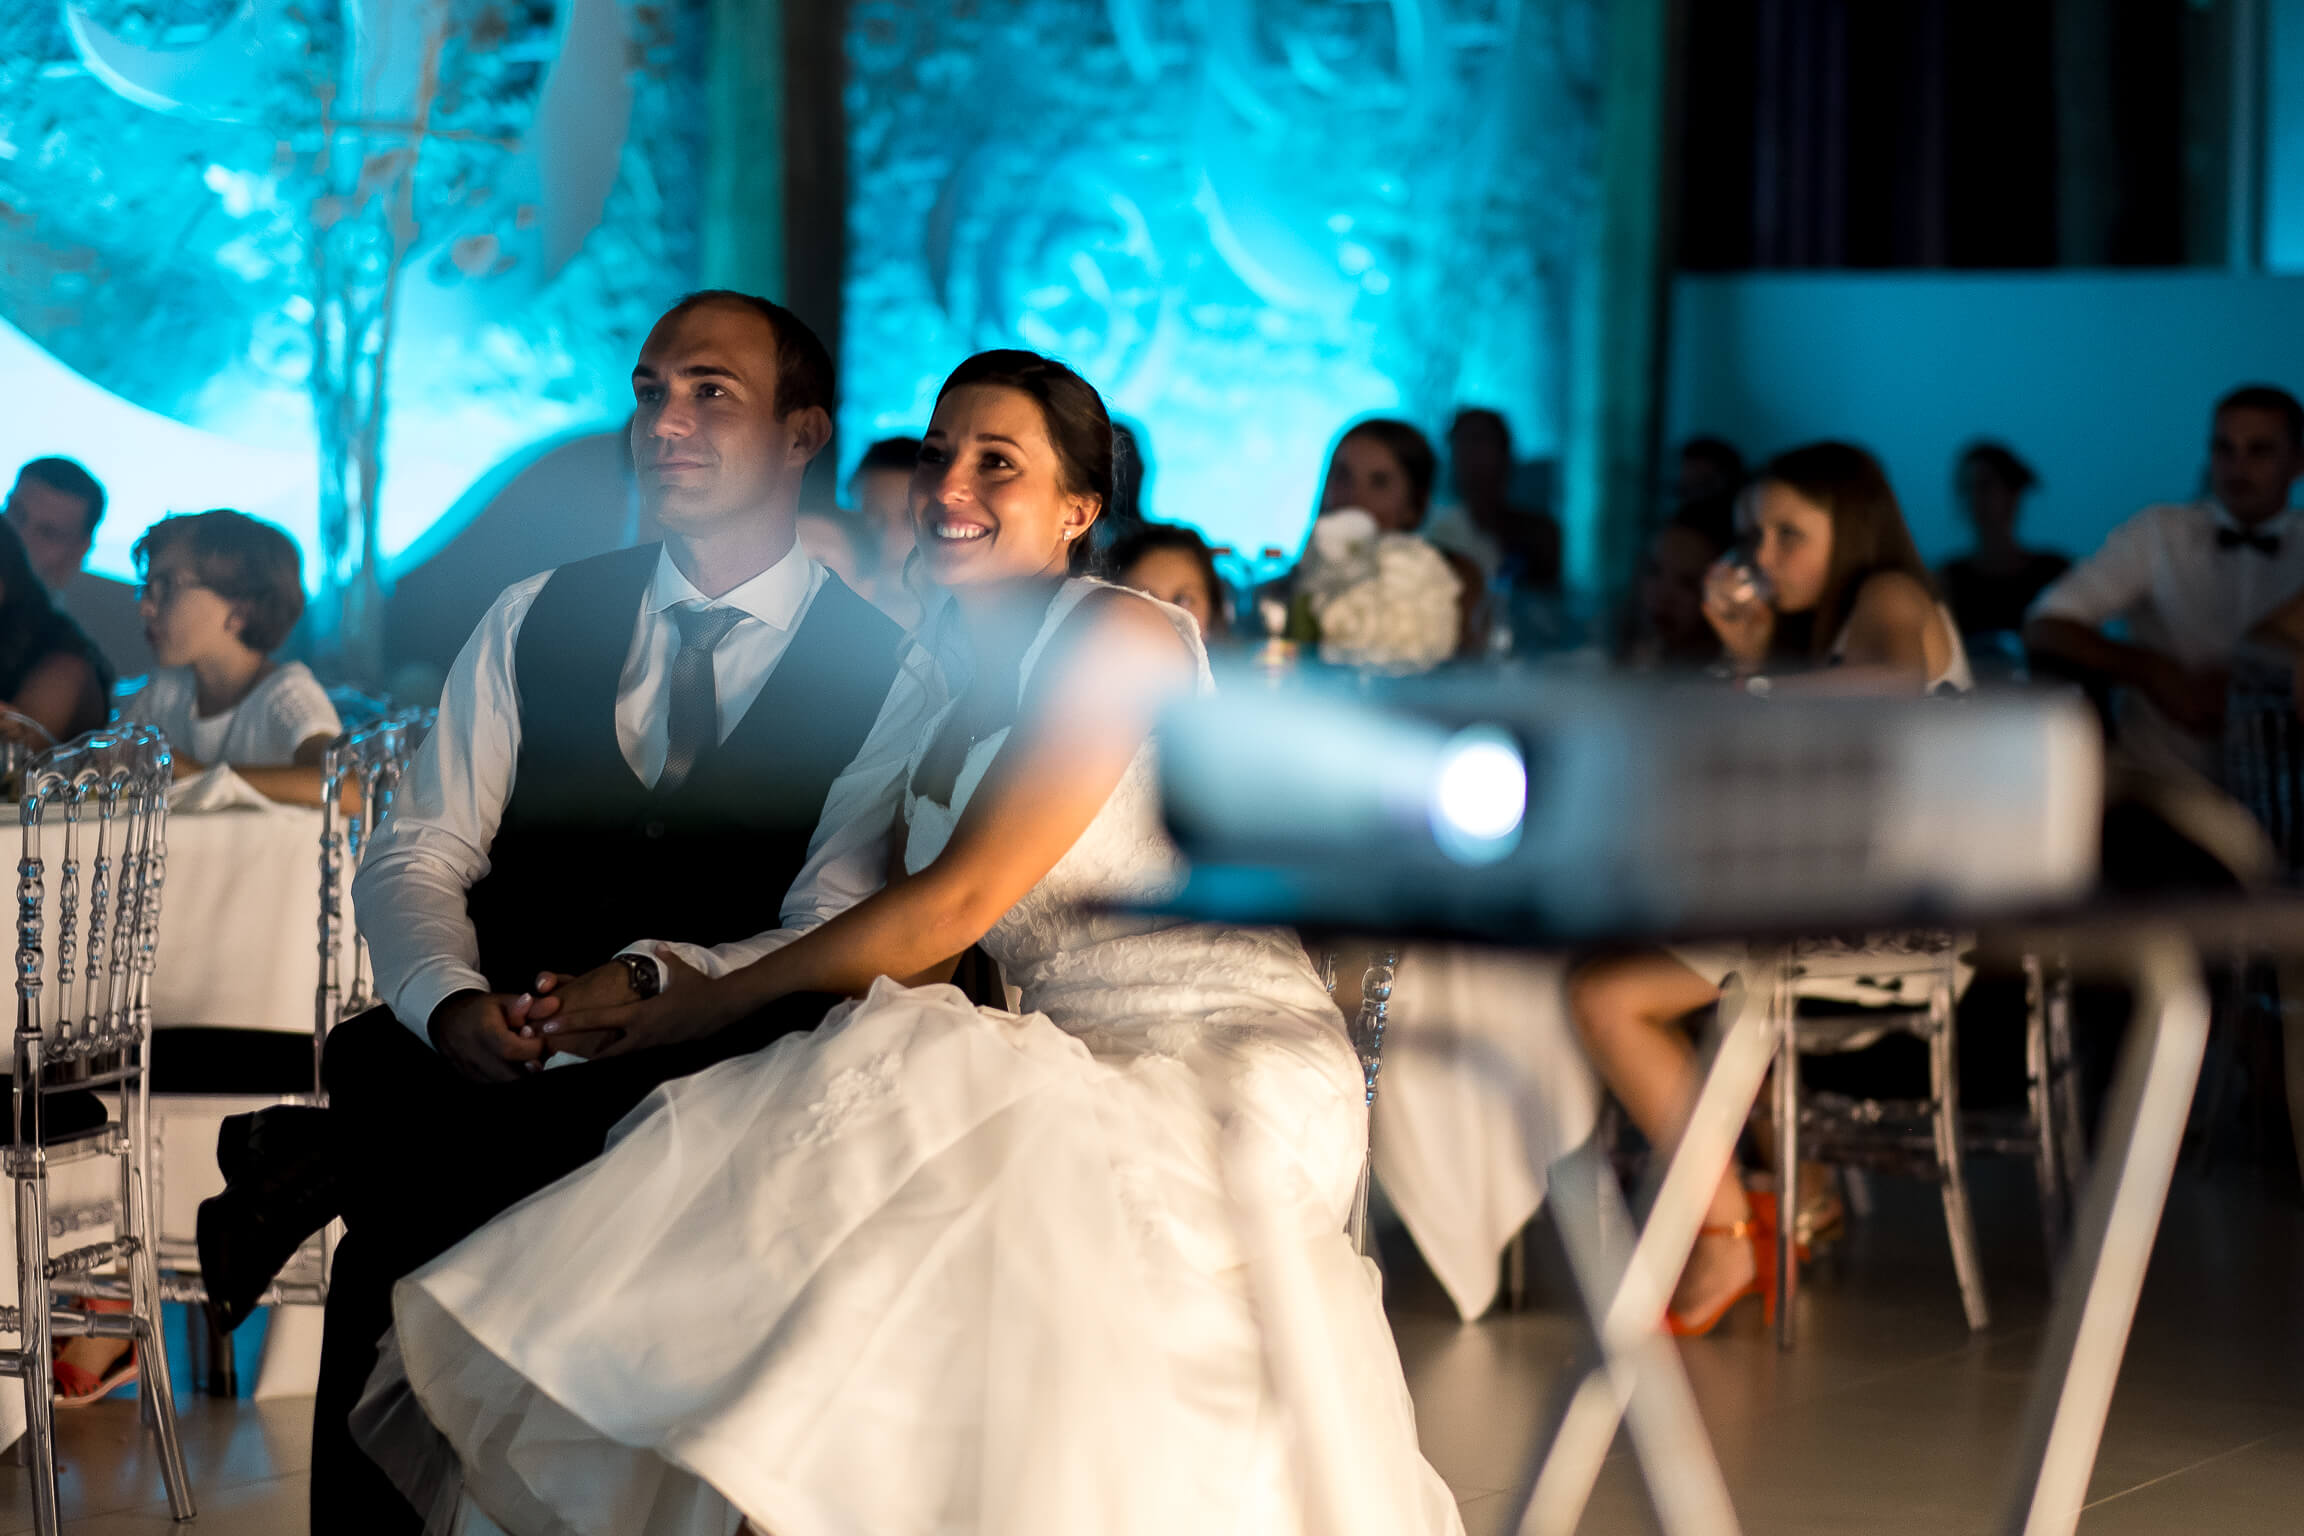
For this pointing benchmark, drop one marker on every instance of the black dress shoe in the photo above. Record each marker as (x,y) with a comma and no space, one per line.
(284,1185)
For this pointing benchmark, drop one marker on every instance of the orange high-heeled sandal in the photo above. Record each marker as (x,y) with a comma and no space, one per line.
(77,1386)
(1759,1229)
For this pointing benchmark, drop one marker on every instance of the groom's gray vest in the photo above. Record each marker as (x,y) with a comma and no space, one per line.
(587,858)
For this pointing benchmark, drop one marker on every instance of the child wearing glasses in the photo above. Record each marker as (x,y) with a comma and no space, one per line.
(221,592)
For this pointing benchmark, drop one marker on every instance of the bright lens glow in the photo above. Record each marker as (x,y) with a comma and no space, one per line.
(1479,796)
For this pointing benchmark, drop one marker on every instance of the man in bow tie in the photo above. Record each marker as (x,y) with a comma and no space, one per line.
(2189,581)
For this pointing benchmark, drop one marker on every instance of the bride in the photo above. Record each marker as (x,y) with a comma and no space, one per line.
(941,1269)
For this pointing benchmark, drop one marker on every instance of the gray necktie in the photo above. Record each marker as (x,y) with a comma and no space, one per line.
(692,723)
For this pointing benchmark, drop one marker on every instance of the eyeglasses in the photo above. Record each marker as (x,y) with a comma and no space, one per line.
(162,590)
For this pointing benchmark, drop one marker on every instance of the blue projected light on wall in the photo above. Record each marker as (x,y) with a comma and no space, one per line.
(166,214)
(1246,223)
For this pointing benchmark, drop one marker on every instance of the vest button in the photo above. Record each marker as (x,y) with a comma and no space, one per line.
(653,830)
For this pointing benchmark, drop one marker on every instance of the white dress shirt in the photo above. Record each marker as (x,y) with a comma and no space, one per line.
(2184,595)
(410,891)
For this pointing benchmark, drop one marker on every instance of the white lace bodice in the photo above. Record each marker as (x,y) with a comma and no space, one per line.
(1094,971)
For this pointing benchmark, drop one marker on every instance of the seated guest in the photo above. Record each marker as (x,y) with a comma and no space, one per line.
(221,592)
(2188,580)
(1845,605)
(1990,588)
(1841,585)
(55,507)
(739,732)
(1385,468)
(1519,544)
(1174,564)
(50,673)
(878,498)
(1668,628)
(1708,467)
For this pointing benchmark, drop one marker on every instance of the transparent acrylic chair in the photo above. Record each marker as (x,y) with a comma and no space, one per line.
(1907,984)
(94,814)
(1366,1027)
(366,766)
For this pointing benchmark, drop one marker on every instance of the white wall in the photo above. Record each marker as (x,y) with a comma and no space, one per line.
(2103,381)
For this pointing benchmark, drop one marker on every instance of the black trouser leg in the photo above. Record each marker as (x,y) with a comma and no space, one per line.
(431,1158)
(349,1494)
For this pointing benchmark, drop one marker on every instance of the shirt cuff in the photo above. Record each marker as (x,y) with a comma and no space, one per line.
(423,994)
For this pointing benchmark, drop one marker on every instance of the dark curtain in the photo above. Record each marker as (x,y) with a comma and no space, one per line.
(1925,133)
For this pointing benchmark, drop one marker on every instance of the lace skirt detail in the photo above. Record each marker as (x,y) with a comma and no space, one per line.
(929,1270)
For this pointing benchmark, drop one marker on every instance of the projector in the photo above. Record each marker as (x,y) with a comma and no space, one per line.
(1559,810)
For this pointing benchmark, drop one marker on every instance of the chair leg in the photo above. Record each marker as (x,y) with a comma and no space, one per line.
(2040,1105)
(38,1345)
(1783,1012)
(2064,1091)
(151,1337)
(1951,1162)
(158,1391)
(2230,1005)
(1856,1188)
(1516,1271)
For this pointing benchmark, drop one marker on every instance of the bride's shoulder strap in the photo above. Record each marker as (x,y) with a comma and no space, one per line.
(1077,592)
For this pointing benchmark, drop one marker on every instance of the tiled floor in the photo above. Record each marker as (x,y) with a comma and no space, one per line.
(1890,1418)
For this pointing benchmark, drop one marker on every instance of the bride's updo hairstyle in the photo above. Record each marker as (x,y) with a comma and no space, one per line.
(1078,426)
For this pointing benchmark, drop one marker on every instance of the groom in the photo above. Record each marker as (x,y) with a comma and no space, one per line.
(698,741)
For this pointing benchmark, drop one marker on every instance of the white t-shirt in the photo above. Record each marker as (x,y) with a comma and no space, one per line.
(282,712)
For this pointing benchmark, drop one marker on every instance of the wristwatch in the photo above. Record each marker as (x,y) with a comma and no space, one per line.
(646,974)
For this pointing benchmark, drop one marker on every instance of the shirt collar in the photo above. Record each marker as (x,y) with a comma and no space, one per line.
(774,597)
(2279,522)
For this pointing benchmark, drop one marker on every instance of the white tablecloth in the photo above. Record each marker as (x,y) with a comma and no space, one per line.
(1484,1086)
(240,919)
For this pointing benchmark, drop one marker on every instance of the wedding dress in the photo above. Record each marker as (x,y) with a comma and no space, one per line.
(937,1269)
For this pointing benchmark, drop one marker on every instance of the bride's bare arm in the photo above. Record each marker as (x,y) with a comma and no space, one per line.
(1108,671)
(942,970)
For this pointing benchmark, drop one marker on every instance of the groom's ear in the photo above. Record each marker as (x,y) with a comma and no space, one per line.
(811,429)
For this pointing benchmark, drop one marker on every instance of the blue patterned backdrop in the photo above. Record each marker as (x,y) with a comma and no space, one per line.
(1246,221)
(159,223)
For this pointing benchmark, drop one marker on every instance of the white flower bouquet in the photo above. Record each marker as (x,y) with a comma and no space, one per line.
(1384,601)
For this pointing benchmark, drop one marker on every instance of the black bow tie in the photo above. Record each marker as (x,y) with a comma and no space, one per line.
(2265,544)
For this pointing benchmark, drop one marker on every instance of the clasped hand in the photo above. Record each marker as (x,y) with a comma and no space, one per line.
(596,1015)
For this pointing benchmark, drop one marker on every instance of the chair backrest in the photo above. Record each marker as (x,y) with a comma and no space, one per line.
(372,758)
(2264,750)
(94,813)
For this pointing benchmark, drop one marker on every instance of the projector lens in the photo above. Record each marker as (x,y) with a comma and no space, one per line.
(1479,796)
